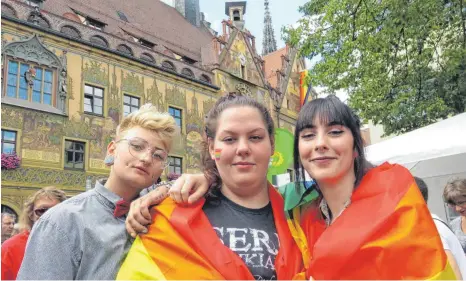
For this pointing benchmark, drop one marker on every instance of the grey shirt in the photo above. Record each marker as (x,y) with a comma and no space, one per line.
(78,239)
(456,227)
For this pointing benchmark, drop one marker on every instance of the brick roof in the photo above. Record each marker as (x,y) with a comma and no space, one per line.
(273,62)
(152,20)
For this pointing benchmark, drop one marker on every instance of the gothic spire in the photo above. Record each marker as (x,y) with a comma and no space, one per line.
(268,43)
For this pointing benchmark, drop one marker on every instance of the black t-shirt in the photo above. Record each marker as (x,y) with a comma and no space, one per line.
(250,233)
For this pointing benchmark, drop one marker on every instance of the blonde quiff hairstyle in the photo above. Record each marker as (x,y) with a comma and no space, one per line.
(148,117)
(51,192)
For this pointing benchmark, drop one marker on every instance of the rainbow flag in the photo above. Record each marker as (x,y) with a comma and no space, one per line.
(385,233)
(217,152)
(182,245)
(303,88)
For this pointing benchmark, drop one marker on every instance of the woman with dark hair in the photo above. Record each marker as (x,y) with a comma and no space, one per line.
(365,222)
(368,222)
(239,230)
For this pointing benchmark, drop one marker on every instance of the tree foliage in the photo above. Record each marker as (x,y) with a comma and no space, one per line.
(403,62)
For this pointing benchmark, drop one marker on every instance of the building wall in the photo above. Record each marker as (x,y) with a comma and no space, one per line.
(41,135)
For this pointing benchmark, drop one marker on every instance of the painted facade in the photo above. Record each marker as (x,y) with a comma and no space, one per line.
(47,114)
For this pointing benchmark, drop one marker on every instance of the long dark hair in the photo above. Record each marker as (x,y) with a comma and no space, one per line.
(229,100)
(331,109)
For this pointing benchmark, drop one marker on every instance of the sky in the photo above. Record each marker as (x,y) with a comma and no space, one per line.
(283,12)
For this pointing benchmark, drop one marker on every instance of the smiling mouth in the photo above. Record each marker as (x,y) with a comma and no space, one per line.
(322,159)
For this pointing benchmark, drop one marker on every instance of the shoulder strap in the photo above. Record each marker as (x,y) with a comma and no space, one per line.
(446,224)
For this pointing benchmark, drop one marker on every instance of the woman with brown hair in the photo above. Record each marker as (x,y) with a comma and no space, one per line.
(239,230)
(13,249)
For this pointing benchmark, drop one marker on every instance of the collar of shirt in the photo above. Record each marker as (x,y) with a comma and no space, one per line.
(109,198)
(323,206)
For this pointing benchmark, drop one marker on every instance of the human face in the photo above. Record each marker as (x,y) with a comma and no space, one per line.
(326,151)
(246,148)
(42,205)
(460,208)
(7,225)
(142,170)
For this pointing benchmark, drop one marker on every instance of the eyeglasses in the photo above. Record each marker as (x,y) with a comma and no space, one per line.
(459,204)
(41,211)
(137,148)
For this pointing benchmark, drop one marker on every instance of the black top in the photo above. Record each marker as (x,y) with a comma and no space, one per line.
(250,233)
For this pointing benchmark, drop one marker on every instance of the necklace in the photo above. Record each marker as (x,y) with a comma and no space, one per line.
(329,219)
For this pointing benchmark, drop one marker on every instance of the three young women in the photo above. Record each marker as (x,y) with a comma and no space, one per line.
(366,222)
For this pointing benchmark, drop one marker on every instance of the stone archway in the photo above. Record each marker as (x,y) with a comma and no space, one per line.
(8,209)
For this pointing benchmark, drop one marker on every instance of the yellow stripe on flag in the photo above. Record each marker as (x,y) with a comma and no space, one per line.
(139,265)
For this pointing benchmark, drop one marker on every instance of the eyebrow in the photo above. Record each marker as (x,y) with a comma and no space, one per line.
(252,131)
(330,124)
(155,147)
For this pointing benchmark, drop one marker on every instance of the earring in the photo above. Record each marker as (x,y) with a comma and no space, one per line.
(109,160)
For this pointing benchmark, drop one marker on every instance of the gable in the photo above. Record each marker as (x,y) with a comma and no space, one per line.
(237,57)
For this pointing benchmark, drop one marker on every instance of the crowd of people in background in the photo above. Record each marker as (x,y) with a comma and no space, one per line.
(230,223)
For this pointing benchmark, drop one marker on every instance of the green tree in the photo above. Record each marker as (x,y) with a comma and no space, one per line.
(403,62)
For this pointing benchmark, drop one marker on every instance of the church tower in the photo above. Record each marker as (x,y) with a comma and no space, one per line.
(268,44)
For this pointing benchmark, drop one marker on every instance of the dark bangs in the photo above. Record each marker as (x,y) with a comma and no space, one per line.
(330,110)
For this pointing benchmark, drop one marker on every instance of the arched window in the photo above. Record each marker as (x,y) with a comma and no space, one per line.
(40,19)
(236,15)
(8,10)
(35,75)
(147,57)
(187,72)
(71,31)
(125,49)
(205,78)
(98,40)
(6,209)
(168,65)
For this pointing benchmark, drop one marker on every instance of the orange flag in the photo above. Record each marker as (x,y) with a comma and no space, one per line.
(182,245)
(386,232)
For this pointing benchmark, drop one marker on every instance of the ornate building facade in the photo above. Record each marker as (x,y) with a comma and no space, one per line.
(71,70)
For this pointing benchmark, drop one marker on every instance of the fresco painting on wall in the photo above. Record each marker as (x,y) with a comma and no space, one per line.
(95,72)
(154,96)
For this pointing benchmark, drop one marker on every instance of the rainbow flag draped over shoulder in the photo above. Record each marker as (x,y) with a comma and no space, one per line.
(385,233)
(182,245)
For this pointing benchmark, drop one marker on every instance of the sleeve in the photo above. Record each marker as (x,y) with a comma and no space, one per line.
(49,254)
(443,230)
(7,273)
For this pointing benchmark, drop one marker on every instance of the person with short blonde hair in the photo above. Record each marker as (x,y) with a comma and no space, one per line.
(85,237)
(32,211)
(455,195)
(36,205)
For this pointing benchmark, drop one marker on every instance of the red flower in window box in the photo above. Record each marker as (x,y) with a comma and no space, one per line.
(10,161)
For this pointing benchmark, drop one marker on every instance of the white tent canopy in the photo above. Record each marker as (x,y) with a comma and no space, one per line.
(444,138)
(435,153)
